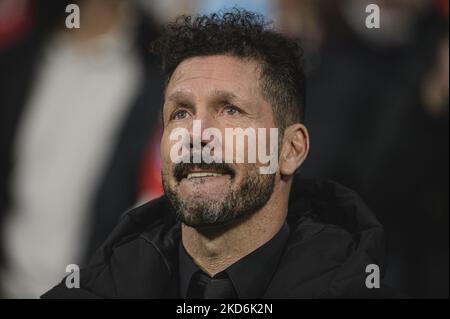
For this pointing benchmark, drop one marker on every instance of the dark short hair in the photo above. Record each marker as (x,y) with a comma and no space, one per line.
(246,35)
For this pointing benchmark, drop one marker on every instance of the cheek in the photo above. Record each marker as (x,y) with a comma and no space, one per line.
(165,151)
(267,145)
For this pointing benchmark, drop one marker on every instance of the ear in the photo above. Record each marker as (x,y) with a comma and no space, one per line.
(294,148)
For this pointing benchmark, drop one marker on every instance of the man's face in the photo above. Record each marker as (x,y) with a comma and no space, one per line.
(222,92)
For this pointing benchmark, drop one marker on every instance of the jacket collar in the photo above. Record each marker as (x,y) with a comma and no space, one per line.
(333,237)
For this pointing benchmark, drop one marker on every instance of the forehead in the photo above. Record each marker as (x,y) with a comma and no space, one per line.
(202,75)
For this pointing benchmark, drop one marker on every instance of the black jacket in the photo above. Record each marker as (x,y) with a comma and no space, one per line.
(333,237)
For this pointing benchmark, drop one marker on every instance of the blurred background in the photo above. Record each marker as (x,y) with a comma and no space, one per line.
(79,126)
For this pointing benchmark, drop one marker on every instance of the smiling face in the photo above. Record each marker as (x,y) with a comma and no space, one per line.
(223,92)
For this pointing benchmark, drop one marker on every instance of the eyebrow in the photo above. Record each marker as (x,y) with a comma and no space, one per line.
(222,96)
(180,96)
(185,98)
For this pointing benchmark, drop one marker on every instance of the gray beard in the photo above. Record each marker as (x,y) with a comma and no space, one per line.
(250,196)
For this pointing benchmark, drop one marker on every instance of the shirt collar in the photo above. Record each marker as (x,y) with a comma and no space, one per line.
(187,269)
(250,279)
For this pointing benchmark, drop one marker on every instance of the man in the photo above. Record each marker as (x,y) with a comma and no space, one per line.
(226,230)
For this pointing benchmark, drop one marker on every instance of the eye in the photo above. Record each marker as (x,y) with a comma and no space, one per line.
(231,110)
(179,115)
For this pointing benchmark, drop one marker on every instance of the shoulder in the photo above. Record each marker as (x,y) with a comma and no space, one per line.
(132,262)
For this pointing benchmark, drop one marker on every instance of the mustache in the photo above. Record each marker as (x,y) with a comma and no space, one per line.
(181,170)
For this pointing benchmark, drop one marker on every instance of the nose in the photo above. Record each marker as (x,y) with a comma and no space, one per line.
(202,121)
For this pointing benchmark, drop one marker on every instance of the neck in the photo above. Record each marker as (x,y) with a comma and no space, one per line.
(215,250)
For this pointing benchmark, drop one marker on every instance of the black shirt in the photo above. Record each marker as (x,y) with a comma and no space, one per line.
(246,278)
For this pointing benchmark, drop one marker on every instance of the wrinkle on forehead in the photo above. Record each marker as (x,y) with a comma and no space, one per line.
(226,72)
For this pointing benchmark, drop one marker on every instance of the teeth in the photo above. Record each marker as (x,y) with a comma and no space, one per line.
(196,175)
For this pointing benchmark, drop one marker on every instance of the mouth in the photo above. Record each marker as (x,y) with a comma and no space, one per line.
(202,171)
(203,175)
